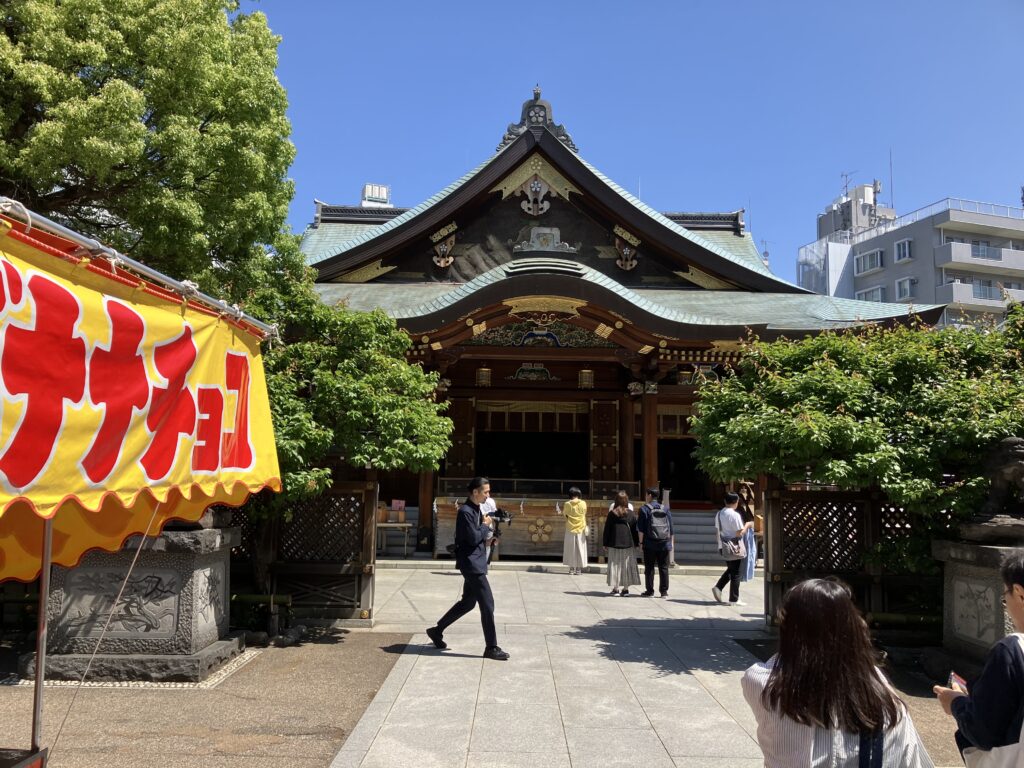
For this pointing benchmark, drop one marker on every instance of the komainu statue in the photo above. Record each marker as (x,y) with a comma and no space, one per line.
(1005,468)
(1002,517)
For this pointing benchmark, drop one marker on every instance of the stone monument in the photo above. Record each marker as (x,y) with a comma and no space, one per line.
(171,623)
(973,613)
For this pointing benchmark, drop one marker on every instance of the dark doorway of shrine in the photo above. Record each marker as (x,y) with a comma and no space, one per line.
(534,455)
(678,470)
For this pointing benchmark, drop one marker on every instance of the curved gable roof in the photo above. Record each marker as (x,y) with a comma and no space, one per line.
(650,225)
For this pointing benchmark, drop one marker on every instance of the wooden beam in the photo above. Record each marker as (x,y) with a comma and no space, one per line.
(626,469)
(426,503)
(649,404)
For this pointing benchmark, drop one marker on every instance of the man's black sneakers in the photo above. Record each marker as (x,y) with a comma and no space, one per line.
(494,652)
(435,636)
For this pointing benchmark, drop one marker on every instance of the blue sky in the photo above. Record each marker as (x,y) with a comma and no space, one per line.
(699,105)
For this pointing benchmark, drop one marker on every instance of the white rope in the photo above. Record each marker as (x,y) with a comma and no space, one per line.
(7,205)
(99,641)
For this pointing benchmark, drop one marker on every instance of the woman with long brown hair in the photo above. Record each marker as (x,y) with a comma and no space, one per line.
(821,700)
(621,540)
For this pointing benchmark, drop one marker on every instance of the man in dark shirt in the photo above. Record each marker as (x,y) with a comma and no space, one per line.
(656,540)
(473,535)
(992,713)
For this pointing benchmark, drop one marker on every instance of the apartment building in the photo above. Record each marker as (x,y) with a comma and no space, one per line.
(962,253)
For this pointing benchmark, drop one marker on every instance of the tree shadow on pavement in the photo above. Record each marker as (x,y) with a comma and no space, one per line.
(668,645)
(412,649)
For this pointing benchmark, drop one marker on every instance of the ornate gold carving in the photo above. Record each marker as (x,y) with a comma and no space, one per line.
(442,234)
(604,331)
(728,346)
(537,167)
(628,237)
(703,279)
(435,345)
(645,349)
(479,328)
(365,273)
(544,310)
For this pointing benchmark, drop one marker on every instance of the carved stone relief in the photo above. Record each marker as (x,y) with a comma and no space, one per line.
(974,609)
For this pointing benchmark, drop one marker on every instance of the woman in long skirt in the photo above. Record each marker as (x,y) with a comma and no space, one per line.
(574,551)
(621,540)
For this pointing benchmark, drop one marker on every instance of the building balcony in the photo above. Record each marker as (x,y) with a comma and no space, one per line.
(973,297)
(1001,261)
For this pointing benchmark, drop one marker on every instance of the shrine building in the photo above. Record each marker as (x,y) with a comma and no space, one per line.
(569,322)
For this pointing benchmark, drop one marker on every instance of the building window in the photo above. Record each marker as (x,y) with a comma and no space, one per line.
(872,294)
(982,249)
(905,288)
(954,239)
(983,289)
(867,262)
(904,250)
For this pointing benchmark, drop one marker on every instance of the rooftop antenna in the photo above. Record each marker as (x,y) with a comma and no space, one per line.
(764,251)
(1022,194)
(846,176)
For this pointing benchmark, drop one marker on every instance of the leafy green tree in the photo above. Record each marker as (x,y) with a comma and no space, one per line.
(913,411)
(157,126)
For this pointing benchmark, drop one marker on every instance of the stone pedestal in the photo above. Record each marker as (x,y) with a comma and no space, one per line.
(171,624)
(973,613)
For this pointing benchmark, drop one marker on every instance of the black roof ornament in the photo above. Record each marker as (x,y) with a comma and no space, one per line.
(536,113)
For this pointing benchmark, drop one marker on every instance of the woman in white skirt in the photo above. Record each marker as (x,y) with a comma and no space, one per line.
(621,540)
(574,552)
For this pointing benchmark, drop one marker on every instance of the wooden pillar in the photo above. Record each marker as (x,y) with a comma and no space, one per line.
(426,505)
(649,407)
(627,471)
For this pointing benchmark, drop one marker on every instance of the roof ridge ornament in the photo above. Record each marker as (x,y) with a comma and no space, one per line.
(536,113)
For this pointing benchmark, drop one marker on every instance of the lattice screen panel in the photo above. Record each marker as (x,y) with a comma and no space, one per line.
(822,535)
(311,590)
(240,519)
(327,528)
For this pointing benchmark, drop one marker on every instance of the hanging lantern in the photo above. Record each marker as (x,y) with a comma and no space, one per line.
(483,377)
(586,378)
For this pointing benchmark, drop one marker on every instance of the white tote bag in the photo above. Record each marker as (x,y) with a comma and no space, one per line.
(1010,756)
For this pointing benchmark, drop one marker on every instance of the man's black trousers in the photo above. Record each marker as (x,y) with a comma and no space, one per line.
(656,558)
(475,590)
(732,578)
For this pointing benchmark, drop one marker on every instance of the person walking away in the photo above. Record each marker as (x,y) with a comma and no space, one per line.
(473,535)
(731,529)
(574,550)
(654,527)
(821,700)
(990,715)
(621,539)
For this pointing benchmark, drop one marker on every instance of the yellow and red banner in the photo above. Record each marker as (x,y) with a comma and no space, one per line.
(116,396)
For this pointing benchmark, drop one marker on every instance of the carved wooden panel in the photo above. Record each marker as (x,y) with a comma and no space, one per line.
(604,440)
(460,458)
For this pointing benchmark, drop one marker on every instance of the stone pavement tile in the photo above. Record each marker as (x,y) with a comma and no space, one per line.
(412,735)
(412,758)
(365,732)
(596,675)
(705,734)
(516,760)
(519,728)
(507,686)
(594,707)
(134,759)
(612,748)
(348,758)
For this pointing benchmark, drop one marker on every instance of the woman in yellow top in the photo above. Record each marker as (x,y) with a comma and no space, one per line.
(574,553)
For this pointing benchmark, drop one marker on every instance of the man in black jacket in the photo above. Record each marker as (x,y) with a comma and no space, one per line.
(473,535)
(991,715)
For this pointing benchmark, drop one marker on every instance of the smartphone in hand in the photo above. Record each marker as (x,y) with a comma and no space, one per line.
(957,683)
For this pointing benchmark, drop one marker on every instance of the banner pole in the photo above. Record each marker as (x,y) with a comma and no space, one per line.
(44,599)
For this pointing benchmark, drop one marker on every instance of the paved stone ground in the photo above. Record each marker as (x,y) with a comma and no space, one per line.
(594,680)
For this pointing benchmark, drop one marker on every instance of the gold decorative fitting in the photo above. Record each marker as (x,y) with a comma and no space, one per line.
(604,331)
(479,328)
(483,377)
(662,343)
(425,339)
(618,325)
(443,255)
(364,614)
(628,237)
(645,349)
(436,345)
(365,273)
(544,310)
(703,279)
(443,233)
(535,167)
(469,322)
(586,378)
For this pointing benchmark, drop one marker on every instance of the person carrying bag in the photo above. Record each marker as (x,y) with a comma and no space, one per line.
(730,528)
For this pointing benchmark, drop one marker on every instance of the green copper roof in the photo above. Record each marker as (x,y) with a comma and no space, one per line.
(736,249)
(780,311)
(323,240)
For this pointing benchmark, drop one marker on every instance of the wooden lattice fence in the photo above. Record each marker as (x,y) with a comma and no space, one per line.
(814,532)
(323,556)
